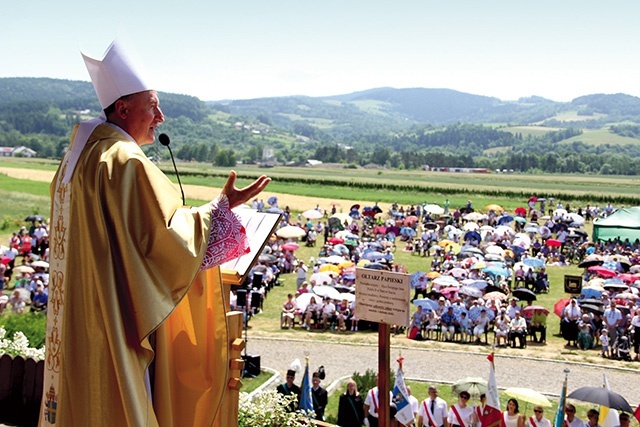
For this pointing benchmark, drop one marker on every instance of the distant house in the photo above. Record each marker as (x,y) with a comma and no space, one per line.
(17,152)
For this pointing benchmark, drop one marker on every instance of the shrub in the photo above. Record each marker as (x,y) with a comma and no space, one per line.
(19,346)
(268,409)
(368,380)
(32,325)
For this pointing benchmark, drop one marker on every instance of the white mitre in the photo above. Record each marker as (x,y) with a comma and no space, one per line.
(113,77)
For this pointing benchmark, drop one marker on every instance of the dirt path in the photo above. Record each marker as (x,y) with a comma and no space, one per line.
(295,203)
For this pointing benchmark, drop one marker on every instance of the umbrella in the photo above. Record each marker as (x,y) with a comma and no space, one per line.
(375,266)
(590,261)
(373,255)
(496,271)
(524,294)
(528,395)
(328,268)
(592,309)
(273,200)
(444,280)
(6,260)
(471,226)
(494,207)
(520,219)
(426,303)
(476,311)
(559,306)
(494,257)
(291,246)
(302,300)
(472,235)
(601,271)
(348,296)
(410,219)
(342,217)
(274,209)
(267,258)
(474,216)
(458,272)
(326,291)
(24,269)
(472,385)
(505,219)
(346,264)
(616,286)
(379,229)
(521,211)
(533,262)
(471,291)
(34,218)
(434,209)
(340,249)
(290,232)
(495,296)
(494,249)
(430,226)
(335,240)
(312,214)
(479,284)
(589,292)
(545,232)
(334,259)
(554,243)
(320,278)
(42,264)
(432,274)
(532,308)
(601,396)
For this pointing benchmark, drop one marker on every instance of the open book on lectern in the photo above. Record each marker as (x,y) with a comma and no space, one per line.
(259,227)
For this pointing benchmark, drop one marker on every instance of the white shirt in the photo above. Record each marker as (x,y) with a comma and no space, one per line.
(466,414)
(577,422)
(373,397)
(612,316)
(542,423)
(440,411)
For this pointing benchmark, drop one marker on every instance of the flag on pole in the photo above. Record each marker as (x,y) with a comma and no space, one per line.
(306,399)
(637,413)
(491,414)
(401,398)
(559,421)
(608,417)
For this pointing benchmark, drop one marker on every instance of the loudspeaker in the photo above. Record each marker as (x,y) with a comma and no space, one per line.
(572,284)
(251,365)
(241,300)
(257,280)
(255,299)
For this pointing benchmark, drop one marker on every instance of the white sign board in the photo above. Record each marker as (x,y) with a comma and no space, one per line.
(382,296)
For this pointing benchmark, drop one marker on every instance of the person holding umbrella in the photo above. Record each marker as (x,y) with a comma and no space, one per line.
(570,416)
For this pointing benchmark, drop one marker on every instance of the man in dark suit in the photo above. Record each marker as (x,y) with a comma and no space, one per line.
(288,388)
(320,396)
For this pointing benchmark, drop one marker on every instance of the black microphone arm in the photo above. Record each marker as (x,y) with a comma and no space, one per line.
(164,140)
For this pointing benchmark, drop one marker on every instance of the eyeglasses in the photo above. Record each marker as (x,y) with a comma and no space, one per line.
(464,397)
(537,410)
(570,410)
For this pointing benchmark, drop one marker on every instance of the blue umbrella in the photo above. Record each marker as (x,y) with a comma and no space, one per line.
(533,262)
(426,303)
(340,248)
(471,291)
(505,219)
(476,311)
(531,229)
(375,266)
(472,235)
(274,209)
(496,270)
(417,277)
(591,293)
(351,236)
(479,284)
(373,255)
(458,310)
(273,200)
(517,249)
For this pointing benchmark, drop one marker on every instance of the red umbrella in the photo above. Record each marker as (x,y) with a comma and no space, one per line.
(379,230)
(553,243)
(558,307)
(533,199)
(629,278)
(449,290)
(410,219)
(356,207)
(290,246)
(6,260)
(335,240)
(521,211)
(531,308)
(602,272)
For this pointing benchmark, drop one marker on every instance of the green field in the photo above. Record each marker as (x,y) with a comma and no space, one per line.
(529,130)
(601,136)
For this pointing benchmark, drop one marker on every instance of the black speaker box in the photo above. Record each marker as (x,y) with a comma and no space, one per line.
(257,280)
(255,299)
(241,300)
(251,365)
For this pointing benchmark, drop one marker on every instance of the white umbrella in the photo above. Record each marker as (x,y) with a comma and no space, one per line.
(474,216)
(494,249)
(312,214)
(335,259)
(302,301)
(348,296)
(342,217)
(503,230)
(320,278)
(434,209)
(471,226)
(290,232)
(326,291)
(42,264)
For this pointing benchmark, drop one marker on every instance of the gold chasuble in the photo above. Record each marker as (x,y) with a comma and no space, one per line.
(125,260)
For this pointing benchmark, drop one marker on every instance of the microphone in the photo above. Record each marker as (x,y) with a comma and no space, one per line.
(164,140)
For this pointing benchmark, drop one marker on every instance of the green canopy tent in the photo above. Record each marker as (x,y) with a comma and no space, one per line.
(622,224)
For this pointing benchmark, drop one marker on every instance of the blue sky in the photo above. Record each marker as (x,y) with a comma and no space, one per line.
(247,49)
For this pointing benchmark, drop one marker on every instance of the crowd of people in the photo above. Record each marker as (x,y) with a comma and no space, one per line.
(24,270)
(356,410)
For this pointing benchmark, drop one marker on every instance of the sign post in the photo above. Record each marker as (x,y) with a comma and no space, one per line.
(383,297)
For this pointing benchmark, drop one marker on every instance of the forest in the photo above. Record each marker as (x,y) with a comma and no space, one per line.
(404,129)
